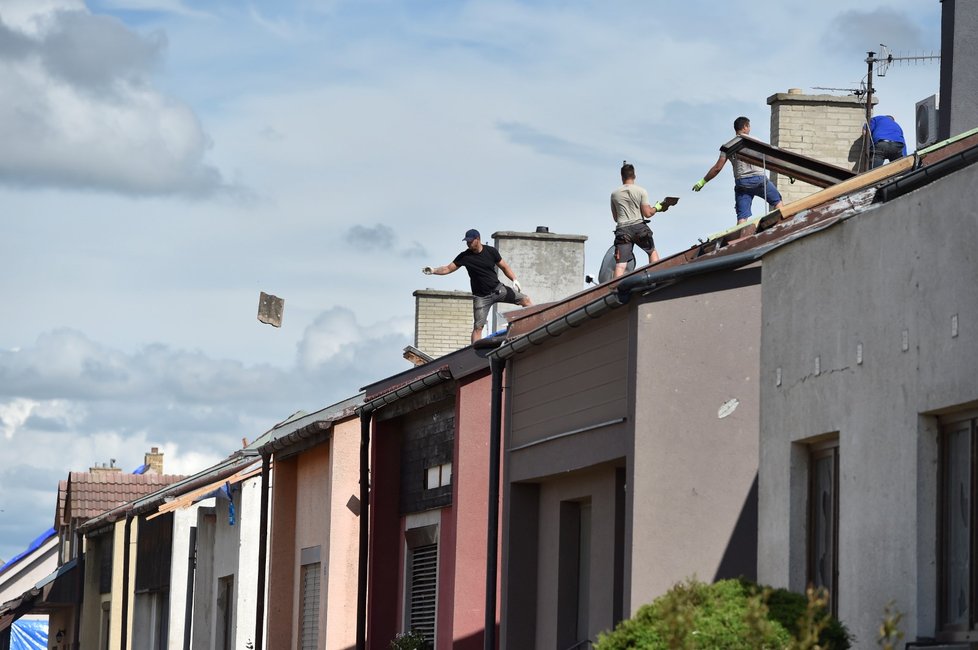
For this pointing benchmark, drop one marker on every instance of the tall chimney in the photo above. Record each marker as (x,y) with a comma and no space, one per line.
(548,266)
(442,321)
(825,127)
(154,461)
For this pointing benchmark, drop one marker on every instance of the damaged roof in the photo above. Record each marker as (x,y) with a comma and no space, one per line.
(810,214)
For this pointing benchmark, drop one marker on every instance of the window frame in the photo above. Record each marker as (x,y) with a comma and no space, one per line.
(424,536)
(946,426)
(828,448)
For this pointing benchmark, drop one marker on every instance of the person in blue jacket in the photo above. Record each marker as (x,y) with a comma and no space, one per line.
(888,141)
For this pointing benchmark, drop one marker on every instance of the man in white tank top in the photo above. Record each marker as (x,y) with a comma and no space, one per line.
(749,180)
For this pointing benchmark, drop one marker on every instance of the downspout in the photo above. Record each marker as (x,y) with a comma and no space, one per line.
(188,615)
(262,553)
(366,412)
(126,540)
(496,367)
(366,415)
(81,589)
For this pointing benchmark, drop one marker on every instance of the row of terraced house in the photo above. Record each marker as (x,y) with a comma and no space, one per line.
(794,401)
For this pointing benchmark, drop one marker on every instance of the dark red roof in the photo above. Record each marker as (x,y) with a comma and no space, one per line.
(89,494)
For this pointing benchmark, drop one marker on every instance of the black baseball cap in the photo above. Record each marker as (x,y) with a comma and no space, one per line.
(471,234)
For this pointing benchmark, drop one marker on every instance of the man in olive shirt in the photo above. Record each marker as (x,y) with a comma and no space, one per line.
(630,208)
(481,261)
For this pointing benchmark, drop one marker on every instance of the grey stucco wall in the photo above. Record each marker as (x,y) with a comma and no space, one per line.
(900,271)
(694,463)
(964,78)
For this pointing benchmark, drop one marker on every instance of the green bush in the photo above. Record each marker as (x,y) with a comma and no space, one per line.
(732,614)
(409,641)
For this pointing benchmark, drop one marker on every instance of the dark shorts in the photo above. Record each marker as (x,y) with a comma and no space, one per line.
(482,304)
(626,237)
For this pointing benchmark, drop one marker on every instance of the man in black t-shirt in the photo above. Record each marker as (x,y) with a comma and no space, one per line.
(481,261)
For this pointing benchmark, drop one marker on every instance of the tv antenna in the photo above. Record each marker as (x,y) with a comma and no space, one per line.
(882,64)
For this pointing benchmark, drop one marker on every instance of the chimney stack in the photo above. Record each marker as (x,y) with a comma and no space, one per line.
(549,266)
(825,127)
(442,322)
(154,461)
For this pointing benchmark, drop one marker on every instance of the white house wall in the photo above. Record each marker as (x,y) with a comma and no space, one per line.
(183,521)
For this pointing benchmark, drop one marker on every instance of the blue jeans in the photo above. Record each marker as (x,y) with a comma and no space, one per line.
(745,189)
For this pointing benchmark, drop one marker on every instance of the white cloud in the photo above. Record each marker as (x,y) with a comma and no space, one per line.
(80,110)
(14,414)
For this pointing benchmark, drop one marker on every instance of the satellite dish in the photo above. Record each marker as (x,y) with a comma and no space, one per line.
(607,271)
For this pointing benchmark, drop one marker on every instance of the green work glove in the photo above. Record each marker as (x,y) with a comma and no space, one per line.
(658,207)
(699,185)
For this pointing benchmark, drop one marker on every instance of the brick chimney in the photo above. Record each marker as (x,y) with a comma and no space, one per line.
(442,321)
(825,127)
(154,461)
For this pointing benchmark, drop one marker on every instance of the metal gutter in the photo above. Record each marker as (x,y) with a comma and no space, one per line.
(262,553)
(645,281)
(241,459)
(926,175)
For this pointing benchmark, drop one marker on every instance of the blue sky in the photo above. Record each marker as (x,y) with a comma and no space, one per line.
(165,161)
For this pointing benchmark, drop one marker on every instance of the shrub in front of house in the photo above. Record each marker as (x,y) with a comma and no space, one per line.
(732,614)
(410,641)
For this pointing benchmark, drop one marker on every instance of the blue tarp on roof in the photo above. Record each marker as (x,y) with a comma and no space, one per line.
(29,635)
(36,544)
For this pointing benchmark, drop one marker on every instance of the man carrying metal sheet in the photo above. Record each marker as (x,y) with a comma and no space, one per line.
(749,181)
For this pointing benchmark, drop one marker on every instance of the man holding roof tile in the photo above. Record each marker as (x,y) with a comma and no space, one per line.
(481,261)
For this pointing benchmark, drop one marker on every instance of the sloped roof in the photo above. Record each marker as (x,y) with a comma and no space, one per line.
(302,425)
(89,494)
(804,216)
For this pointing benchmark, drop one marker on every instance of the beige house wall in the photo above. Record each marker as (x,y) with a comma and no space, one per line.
(312,484)
(696,434)
(344,530)
(91,610)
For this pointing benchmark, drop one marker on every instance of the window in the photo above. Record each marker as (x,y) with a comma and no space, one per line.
(823,518)
(957,612)
(310,570)
(438,476)
(225,613)
(421,582)
(574,573)
(309,622)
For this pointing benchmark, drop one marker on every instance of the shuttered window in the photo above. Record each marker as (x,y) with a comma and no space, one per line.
(422,590)
(309,614)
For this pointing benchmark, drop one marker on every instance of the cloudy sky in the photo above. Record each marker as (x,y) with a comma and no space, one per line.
(164,161)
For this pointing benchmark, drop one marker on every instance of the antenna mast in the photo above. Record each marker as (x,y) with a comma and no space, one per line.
(882,64)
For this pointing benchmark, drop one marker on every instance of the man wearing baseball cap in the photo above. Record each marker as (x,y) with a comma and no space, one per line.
(481,261)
